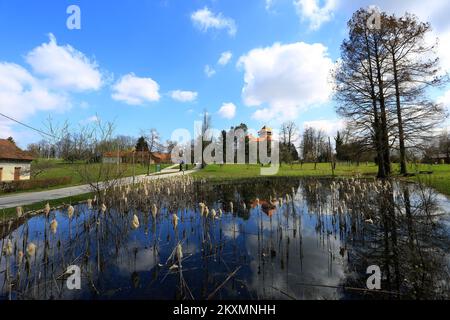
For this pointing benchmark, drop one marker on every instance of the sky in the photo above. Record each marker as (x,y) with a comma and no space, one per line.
(160,64)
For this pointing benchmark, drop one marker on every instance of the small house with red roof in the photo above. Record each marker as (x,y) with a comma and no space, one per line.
(15,164)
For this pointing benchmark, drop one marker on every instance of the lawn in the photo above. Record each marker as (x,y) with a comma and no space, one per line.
(440,179)
(60,169)
(6,214)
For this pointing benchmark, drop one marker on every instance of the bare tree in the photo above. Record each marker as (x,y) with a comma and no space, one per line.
(414,70)
(381,85)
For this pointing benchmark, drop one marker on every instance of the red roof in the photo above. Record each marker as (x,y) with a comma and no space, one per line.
(9,151)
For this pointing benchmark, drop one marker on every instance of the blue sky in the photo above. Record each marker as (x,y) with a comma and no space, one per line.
(142,63)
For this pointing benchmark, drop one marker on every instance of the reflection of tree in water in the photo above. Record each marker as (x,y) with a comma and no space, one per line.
(395,228)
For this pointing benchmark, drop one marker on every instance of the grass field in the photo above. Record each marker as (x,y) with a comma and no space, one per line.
(60,169)
(6,214)
(440,179)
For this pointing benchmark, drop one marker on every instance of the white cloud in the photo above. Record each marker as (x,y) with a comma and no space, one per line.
(209,71)
(91,119)
(228,111)
(64,67)
(330,127)
(269,4)
(22,95)
(204,19)
(136,91)
(225,58)
(184,96)
(284,79)
(314,13)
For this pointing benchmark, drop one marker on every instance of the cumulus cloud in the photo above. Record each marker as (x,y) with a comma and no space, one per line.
(228,111)
(184,96)
(209,71)
(281,80)
(22,95)
(134,90)
(314,13)
(64,67)
(225,58)
(204,20)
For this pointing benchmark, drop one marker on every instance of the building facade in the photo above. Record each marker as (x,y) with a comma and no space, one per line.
(15,164)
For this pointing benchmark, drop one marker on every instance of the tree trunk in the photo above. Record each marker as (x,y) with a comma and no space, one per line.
(383,115)
(376,122)
(401,133)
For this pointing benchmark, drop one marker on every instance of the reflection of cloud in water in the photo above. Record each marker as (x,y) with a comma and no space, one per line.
(145,260)
(316,267)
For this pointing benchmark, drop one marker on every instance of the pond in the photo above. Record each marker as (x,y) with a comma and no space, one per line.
(256,239)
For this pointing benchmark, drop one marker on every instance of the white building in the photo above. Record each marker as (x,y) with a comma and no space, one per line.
(15,164)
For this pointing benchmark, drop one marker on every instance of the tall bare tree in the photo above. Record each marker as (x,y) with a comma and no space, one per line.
(382,81)
(414,70)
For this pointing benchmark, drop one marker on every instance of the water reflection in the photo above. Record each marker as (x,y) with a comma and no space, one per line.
(270,239)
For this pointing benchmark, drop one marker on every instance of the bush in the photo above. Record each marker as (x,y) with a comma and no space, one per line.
(14,186)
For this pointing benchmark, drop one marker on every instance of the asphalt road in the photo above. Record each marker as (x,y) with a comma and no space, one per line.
(23,199)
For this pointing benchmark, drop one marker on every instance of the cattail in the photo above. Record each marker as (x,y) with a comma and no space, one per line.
(202,208)
(175,221)
(104,208)
(244,206)
(89,203)
(19,211)
(31,249)
(206,212)
(154,211)
(220,212)
(8,248)
(135,222)
(213,213)
(70,212)
(20,257)
(54,226)
(47,209)
(179,253)
(231,207)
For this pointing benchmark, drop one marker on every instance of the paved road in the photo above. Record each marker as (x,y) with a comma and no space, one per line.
(28,198)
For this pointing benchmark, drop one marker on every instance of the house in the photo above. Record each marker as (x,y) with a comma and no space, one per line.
(15,164)
(141,157)
(265,134)
(440,158)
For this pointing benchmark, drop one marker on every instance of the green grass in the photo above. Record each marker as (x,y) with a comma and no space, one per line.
(440,179)
(61,169)
(6,214)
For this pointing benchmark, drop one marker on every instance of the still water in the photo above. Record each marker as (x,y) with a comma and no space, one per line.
(263,239)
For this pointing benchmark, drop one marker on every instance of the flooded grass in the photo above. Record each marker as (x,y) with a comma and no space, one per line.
(266,239)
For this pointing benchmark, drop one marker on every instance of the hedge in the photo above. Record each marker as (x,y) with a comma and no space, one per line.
(24,185)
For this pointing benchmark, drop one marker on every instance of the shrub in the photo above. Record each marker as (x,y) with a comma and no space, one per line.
(14,186)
